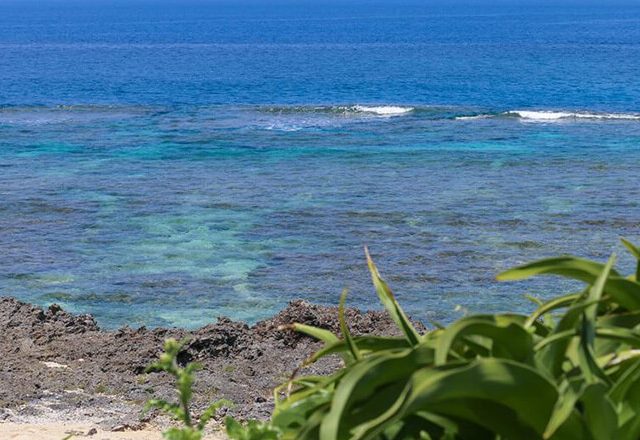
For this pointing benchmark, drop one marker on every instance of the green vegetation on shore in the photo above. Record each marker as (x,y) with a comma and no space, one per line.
(569,370)
(184,377)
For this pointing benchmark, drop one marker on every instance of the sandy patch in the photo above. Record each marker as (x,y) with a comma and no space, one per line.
(60,431)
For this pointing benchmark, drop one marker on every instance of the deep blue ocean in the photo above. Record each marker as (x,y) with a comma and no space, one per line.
(166,163)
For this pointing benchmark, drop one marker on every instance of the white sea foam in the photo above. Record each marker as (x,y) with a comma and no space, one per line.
(534,115)
(383,110)
(471,118)
(539,115)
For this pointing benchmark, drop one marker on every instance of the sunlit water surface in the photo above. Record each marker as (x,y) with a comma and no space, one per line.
(164,166)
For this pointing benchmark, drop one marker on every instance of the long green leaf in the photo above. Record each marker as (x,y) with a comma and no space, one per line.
(568,266)
(318,333)
(353,348)
(586,355)
(635,251)
(623,291)
(321,334)
(389,302)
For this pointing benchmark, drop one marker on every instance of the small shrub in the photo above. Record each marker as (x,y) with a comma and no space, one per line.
(252,430)
(180,411)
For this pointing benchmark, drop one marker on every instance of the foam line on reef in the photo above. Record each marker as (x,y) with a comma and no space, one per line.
(546,115)
(383,110)
(553,115)
(343,110)
(448,112)
(312,114)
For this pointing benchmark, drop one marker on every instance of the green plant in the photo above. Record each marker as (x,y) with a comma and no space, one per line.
(252,430)
(570,370)
(184,377)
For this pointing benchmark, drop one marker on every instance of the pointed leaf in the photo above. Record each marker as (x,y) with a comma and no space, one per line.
(353,348)
(389,301)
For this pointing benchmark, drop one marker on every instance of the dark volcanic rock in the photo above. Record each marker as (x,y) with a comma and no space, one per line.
(225,338)
(48,324)
(47,352)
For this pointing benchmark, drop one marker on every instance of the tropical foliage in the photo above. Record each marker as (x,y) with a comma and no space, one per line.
(570,370)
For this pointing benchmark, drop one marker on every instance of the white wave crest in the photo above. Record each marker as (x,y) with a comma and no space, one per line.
(558,115)
(383,110)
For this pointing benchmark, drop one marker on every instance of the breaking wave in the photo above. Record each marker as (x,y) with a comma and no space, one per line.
(559,115)
(383,110)
(342,110)
(552,115)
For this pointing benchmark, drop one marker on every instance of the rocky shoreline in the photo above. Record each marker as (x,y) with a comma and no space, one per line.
(57,366)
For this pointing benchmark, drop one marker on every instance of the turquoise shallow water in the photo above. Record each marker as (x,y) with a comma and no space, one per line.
(166,165)
(170,217)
